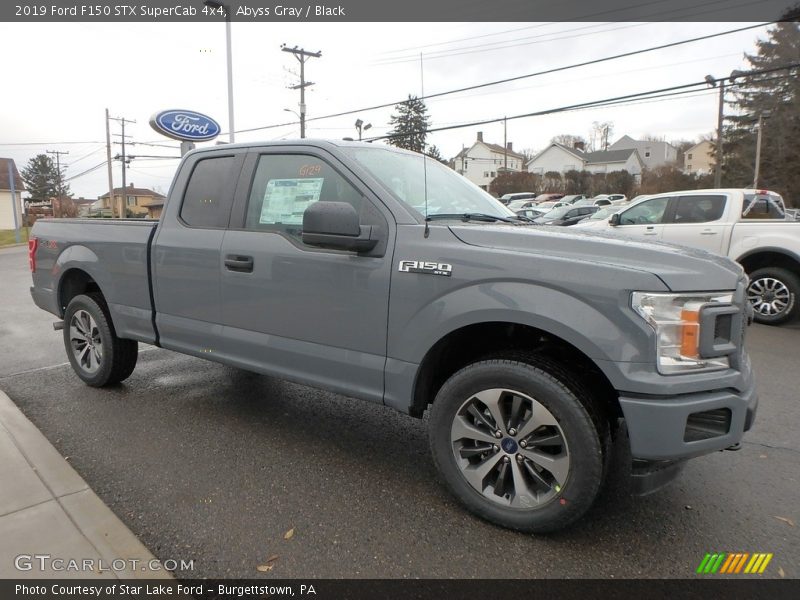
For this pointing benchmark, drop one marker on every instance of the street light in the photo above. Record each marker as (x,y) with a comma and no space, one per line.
(217,4)
(294,112)
(360,125)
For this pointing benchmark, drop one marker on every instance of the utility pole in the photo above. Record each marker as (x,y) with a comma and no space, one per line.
(505,145)
(59,188)
(110,170)
(763,115)
(124,159)
(302,56)
(718,161)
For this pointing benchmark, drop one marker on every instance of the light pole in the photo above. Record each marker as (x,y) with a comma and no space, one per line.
(712,82)
(296,114)
(360,125)
(226,8)
(763,115)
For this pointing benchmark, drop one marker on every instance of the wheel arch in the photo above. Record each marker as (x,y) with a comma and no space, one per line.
(74,282)
(770,257)
(478,341)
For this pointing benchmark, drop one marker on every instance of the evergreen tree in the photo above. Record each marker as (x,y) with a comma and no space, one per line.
(435,153)
(41,179)
(410,125)
(775,97)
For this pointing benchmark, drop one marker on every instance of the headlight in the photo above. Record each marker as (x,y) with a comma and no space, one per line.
(676,320)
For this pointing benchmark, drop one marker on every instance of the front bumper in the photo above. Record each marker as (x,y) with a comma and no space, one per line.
(660,428)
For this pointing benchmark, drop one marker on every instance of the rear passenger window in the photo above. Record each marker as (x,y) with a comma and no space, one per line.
(209,194)
(762,207)
(699,209)
(286,184)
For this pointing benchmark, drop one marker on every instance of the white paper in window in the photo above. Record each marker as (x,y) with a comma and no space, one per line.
(285,200)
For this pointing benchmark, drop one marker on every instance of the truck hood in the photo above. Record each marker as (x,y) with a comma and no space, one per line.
(681,269)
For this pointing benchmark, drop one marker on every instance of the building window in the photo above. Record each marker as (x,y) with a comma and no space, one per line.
(689,167)
(130,200)
(493,174)
(647,154)
(689,156)
(486,173)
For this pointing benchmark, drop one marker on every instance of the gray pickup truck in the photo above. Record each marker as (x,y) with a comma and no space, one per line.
(378,274)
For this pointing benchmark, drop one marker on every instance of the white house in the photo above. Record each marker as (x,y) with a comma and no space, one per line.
(560,158)
(653,154)
(10,207)
(481,162)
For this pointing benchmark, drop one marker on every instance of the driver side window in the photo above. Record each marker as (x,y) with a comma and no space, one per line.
(286,184)
(649,212)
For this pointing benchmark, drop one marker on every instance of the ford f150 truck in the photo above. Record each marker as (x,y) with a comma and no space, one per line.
(749,226)
(378,274)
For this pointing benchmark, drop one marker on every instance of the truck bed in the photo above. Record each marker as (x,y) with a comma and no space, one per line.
(113,252)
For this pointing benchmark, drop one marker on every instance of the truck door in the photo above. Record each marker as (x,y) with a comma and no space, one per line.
(696,221)
(186,253)
(296,311)
(644,220)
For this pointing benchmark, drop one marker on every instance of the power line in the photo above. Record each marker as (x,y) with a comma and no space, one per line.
(86,172)
(592,104)
(516,78)
(515,43)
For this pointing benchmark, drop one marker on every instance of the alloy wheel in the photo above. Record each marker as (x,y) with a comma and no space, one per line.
(510,448)
(769,296)
(85,340)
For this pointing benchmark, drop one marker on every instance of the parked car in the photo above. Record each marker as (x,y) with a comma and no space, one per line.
(573,198)
(304,260)
(547,206)
(508,198)
(548,198)
(565,215)
(519,204)
(530,213)
(603,213)
(601,200)
(749,226)
(617,198)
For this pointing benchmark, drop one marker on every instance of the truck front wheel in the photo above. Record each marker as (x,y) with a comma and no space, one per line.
(95,352)
(773,293)
(517,443)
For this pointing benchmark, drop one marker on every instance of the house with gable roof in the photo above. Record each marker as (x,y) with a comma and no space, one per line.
(483,161)
(561,159)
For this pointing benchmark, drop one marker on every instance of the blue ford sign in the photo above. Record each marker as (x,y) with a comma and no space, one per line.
(185,125)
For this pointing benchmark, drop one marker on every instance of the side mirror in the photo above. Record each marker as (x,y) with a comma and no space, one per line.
(335,225)
(614,220)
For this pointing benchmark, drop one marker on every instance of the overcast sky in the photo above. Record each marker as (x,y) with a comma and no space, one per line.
(59,78)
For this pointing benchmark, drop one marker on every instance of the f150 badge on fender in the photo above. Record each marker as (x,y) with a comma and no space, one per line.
(428,267)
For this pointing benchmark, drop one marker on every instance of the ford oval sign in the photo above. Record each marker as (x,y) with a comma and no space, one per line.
(186,125)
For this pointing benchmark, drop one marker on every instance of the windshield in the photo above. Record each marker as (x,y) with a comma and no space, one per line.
(402,173)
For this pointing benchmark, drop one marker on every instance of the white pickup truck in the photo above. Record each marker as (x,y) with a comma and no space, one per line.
(749,226)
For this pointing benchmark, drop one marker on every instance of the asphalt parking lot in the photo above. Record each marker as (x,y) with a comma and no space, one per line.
(213,464)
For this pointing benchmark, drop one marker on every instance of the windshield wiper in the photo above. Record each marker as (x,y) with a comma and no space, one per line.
(468,217)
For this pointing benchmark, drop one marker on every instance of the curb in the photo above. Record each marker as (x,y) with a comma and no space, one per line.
(46,508)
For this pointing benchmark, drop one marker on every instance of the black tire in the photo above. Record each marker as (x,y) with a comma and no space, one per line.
(581,425)
(774,294)
(117,357)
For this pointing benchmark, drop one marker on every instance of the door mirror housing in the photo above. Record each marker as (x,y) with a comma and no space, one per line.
(614,220)
(335,225)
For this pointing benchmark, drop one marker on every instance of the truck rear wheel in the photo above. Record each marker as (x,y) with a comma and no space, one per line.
(95,352)
(773,292)
(518,444)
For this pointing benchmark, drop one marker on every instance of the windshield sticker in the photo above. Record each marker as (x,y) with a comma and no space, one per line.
(285,200)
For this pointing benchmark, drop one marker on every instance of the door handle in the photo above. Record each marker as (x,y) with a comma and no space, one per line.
(240,264)
(707,232)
